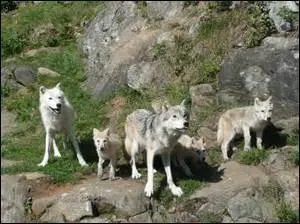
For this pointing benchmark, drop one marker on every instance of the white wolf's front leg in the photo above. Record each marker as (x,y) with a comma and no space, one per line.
(166,162)
(112,170)
(76,147)
(149,185)
(55,148)
(134,150)
(49,137)
(247,138)
(259,139)
(100,169)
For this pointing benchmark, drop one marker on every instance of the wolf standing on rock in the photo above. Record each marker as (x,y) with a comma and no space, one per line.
(242,120)
(57,115)
(157,133)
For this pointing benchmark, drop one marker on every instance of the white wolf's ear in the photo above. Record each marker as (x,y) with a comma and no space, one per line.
(269,99)
(106,132)
(183,103)
(58,85)
(95,131)
(42,89)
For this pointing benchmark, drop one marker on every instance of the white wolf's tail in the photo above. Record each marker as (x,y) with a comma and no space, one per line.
(220,133)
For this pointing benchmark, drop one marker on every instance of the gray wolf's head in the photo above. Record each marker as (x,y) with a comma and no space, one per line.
(52,98)
(101,139)
(263,109)
(175,118)
(199,146)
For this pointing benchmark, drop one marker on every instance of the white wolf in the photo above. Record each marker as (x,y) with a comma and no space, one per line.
(157,133)
(242,120)
(57,115)
(107,145)
(189,148)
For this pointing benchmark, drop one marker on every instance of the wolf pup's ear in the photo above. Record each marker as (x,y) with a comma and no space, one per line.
(95,131)
(269,99)
(58,85)
(107,131)
(42,89)
(183,103)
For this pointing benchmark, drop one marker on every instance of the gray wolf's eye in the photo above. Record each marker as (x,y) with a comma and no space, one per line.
(174,116)
(50,98)
(270,110)
(262,111)
(59,97)
(104,140)
(98,141)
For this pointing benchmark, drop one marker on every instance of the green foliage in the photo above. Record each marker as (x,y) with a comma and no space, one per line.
(288,15)
(261,26)
(253,157)
(142,8)
(293,139)
(286,213)
(46,24)
(294,157)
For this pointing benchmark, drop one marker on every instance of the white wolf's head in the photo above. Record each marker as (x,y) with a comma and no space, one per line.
(175,118)
(263,109)
(52,98)
(199,146)
(101,139)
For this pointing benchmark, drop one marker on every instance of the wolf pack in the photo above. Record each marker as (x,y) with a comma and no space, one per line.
(160,131)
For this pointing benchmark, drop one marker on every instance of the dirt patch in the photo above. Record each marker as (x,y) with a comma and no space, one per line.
(7,122)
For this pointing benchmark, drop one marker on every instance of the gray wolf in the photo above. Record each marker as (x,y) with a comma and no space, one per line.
(188,148)
(57,116)
(106,144)
(157,133)
(241,121)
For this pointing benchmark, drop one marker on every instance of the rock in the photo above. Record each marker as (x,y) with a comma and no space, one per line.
(33,175)
(94,220)
(47,72)
(227,219)
(34,52)
(164,9)
(249,73)
(141,218)
(13,196)
(236,178)
(146,75)
(274,10)
(93,197)
(25,74)
(202,94)
(209,135)
(243,205)
(289,125)
(7,122)
(281,43)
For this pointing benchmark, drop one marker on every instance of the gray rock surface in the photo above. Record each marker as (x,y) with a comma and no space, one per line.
(25,74)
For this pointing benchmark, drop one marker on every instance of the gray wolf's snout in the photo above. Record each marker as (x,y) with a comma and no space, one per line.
(102,148)
(58,105)
(186,124)
(269,119)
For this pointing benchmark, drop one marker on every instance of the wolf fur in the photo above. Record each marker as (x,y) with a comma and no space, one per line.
(107,144)
(57,116)
(157,133)
(242,120)
(188,148)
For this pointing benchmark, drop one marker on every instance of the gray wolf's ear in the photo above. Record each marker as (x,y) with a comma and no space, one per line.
(165,106)
(42,89)
(183,103)
(58,85)
(95,131)
(269,99)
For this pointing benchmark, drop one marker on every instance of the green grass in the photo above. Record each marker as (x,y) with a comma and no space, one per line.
(285,213)
(17,30)
(293,139)
(294,157)
(253,157)
(214,156)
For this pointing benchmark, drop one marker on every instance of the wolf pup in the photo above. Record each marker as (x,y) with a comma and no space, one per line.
(188,148)
(241,120)
(107,145)
(157,133)
(57,115)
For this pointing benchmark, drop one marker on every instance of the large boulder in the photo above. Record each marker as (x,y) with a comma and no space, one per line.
(271,69)
(117,42)
(13,197)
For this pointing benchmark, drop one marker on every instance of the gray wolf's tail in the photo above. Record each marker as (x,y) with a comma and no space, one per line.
(220,133)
